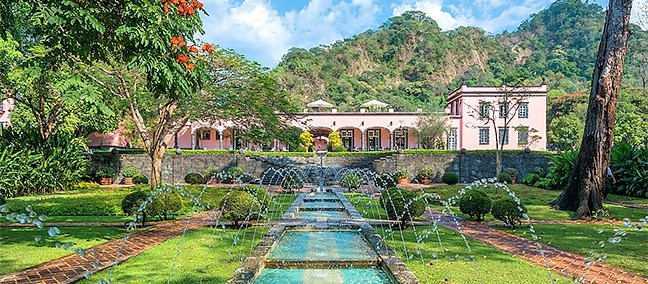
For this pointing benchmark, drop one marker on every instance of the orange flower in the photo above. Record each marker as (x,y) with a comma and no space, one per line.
(190,67)
(193,49)
(197,5)
(166,8)
(183,58)
(207,47)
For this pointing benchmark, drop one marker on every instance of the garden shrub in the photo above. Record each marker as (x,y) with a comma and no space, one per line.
(261,195)
(130,172)
(630,168)
(504,177)
(2,200)
(236,171)
(86,185)
(350,180)
(560,168)
(450,178)
(544,183)
(132,202)
(339,149)
(194,178)
(512,172)
(507,210)
(32,165)
(140,179)
(531,179)
(292,182)
(105,172)
(239,206)
(384,180)
(475,203)
(427,173)
(402,204)
(167,201)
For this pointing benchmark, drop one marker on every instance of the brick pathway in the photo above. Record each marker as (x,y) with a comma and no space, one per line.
(72,268)
(568,264)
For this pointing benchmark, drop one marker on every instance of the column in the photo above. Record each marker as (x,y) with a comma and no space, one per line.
(363,143)
(391,140)
(220,140)
(193,140)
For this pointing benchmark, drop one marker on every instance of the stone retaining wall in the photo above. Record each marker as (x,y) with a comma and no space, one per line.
(469,166)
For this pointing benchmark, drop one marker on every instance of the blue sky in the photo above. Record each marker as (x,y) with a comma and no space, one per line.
(264,30)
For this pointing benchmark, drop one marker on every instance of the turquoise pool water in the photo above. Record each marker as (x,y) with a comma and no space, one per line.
(314,214)
(321,204)
(322,276)
(322,245)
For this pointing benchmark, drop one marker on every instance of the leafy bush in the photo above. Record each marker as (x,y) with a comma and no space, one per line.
(301,149)
(105,172)
(339,149)
(560,168)
(236,172)
(531,179)
(2,200)
(544,183)
(238,206)
(512,172)
(86,185)
(630,168)
(32,165)
(384,180)
(504,177)
(507,210)
(402,204)
(166,201)
(132,202)
(401,173)
(292,182)
(450,178)
(261,195)
(475,203)
(426,173)
(140,179)
(130,172)
(194,178)
(350,180)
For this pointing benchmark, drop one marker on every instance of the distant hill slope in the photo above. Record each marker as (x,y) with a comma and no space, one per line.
(410,63)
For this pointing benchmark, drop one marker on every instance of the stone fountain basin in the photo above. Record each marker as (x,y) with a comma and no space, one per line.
(322,246)
(370,275)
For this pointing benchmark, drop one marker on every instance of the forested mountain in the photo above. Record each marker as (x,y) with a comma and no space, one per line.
(409,62)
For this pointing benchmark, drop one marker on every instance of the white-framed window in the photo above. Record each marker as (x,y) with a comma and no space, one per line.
(484,136)
(484,109)
(452,139)
(503,135)
(400,139)
(205,135)
(503,109)
(347,139)
(523,110)
(523,135)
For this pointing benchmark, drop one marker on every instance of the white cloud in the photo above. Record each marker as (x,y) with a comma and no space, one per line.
(434,10)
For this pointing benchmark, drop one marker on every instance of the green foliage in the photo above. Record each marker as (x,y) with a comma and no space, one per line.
(106,172)
(401,173)
(86,185)
(133,202)
(531,179)
(450,178)
(504,177)
(261,195)
(236,171)
(508,211)
(306,139)
(350,180)
(140,179)
(166,201)
(291,182)
(512,172)
(384,180)
(334,140)
(402,204)
(431,129)
(360,154)
(427,173)
(130,172)
(33,165)
(300,152)
(475,203)
(339,149)
(2,200)
(630,168)
(560,168)
(239,206)
(194,178)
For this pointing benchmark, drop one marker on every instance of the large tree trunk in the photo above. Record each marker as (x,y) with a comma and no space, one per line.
(584,193)
(156,154)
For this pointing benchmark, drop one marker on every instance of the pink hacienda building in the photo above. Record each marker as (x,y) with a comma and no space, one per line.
(381,130)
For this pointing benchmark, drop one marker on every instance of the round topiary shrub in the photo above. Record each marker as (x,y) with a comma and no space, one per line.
(132,202)
(508,211)
(350,180)
(236,172)
(292,182)
(140,179)
(166,202)
(475,203)
(505,177)
(339,149)
(194,178)
(402,204)
(384,180)
(450,178)
(239,206)
(261,195)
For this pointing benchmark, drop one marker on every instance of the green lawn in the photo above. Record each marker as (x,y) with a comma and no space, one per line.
(628,198)
(207,255)
(369,208)
(20,249)
(450,262)
(631,253)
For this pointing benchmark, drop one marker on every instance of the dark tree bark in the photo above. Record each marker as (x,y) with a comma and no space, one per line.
(584,193)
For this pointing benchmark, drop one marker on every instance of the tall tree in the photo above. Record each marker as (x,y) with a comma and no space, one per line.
(584,192)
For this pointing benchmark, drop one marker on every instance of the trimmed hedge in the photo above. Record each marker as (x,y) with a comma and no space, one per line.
(450,178)
(475,203)
(402,204)
(384,180)
(261,195)
(140,179)
(507,210)
(194,178)
(350,180)
(239,206)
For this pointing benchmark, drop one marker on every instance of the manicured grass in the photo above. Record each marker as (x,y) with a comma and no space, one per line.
(450,261)
(20,250)
(621,198)
(369,208)
(631,253)
(207,255)
(279,205)
(620,212)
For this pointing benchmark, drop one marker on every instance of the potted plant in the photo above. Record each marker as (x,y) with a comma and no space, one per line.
(425,175)
(402,176)
(105,175)
(128,174)
(213,175)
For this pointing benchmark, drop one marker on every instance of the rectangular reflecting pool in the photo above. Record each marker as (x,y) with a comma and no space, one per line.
(371,275)
(314,214)
(312,205)
(322,246)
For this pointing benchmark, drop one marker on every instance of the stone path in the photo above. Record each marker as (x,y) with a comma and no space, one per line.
(73,267)
(568,264)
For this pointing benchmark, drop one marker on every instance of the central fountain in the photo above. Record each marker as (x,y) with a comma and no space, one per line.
(320,181)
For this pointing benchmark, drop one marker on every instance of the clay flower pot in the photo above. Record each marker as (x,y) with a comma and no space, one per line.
(105,181)
(128,181)
(403,180)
